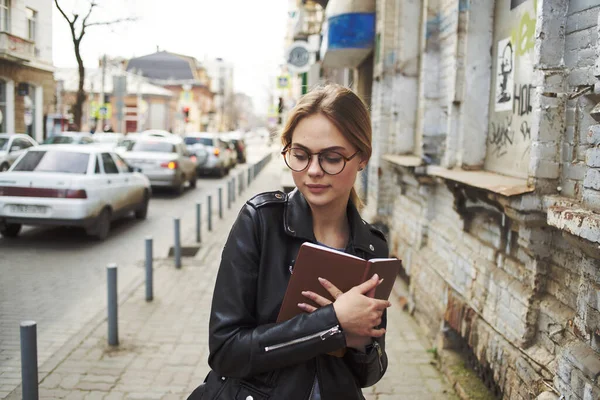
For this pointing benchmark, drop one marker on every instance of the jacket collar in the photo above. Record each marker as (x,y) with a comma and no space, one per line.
(298,222)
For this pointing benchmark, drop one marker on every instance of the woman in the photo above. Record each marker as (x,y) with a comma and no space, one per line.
(326,353)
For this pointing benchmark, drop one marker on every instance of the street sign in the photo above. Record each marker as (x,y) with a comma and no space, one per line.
(298,57)
(283,82)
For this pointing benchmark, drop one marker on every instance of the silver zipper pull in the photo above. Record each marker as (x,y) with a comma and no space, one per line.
(379,355)
(330,332)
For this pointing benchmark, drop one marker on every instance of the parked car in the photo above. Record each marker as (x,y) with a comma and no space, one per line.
(157,133)
(211,153)
(108,140)
(70,185)
(231,151)
(12,146)
(165,161)
(70,138)
(237,138)
(127,143)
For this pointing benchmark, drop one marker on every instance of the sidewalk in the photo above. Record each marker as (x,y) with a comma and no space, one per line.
(163,347)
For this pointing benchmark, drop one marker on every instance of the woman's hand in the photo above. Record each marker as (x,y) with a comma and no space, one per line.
(357,311)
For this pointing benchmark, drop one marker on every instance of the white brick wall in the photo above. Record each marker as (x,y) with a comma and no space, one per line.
(533,294)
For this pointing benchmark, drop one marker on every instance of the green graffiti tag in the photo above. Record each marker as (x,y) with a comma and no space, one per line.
(524,35)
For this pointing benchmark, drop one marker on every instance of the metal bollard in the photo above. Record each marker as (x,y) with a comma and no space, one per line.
(220,202)
(177,244)
(228,194)
(241,185)
(248,176)
(233,189)
(113,312)
(209,213)
(198,222)
(29,361)
(149,295)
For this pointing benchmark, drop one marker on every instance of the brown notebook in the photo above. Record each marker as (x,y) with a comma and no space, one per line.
(343,270)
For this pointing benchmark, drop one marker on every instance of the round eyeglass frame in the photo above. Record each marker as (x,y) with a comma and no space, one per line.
(346,159)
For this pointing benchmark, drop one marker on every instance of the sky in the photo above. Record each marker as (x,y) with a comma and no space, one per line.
(249,34)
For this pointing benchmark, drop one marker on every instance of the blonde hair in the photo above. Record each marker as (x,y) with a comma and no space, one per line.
(345,110)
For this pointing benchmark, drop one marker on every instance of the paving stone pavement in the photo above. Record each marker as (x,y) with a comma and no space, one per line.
(163,346)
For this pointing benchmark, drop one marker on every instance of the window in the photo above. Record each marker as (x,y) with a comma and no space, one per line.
(29,111)
(4,15)
(54,161)
(122,165)
(59,140)
(31,23)
(3,115)
(109,164)
(158,147)
(22,143)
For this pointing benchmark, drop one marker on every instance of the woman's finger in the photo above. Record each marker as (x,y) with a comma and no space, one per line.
(376,332)
(335,292)
(320,300)
(307,307)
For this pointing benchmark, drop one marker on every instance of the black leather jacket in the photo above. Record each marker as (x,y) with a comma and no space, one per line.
(252,279)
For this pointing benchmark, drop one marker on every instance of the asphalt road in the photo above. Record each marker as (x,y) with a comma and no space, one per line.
(57,276)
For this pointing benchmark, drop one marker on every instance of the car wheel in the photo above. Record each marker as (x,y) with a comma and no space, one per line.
(4,167)
(180,188)
(142,212)
(101,228)
(222,172)
(10,230)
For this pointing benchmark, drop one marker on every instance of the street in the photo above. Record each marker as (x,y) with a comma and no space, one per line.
(57,276)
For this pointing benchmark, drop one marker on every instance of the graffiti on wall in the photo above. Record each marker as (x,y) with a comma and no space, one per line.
(509,129)
(505,62)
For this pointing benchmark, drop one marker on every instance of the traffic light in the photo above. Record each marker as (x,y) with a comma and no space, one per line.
(186,114)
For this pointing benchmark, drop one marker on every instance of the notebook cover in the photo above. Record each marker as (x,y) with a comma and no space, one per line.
(387,269)
(313,261)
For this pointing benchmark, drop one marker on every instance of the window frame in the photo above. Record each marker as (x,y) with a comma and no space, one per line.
(31,24)
(5,16)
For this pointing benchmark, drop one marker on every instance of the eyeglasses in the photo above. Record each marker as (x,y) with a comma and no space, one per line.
(330,161)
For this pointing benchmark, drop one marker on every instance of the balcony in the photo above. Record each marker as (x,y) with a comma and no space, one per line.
(16,49)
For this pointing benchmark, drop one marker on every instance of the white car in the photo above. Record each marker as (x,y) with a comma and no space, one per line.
(165,161)
(211,152)
(70,185)
(12,146)
(108,140)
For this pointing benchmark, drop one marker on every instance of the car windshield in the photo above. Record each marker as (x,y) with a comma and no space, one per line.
(197,140)
(152,146)
(53,161)
(127,143)
(59,140)
(3,144)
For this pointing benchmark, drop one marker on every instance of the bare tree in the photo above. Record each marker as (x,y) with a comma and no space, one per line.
(77,33)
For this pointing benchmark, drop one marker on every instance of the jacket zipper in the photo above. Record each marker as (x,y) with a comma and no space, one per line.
(379,355)
(323,335)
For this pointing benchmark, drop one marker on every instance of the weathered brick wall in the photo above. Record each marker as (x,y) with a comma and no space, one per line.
(494,268)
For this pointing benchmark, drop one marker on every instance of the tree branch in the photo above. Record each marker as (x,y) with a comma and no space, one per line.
(116,21)
(84,22)
(62,12)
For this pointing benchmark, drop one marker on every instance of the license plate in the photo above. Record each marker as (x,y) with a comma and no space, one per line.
(27,209)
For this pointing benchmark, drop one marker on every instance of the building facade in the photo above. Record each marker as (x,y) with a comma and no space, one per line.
(26,72)
(486,173)
(194,108)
